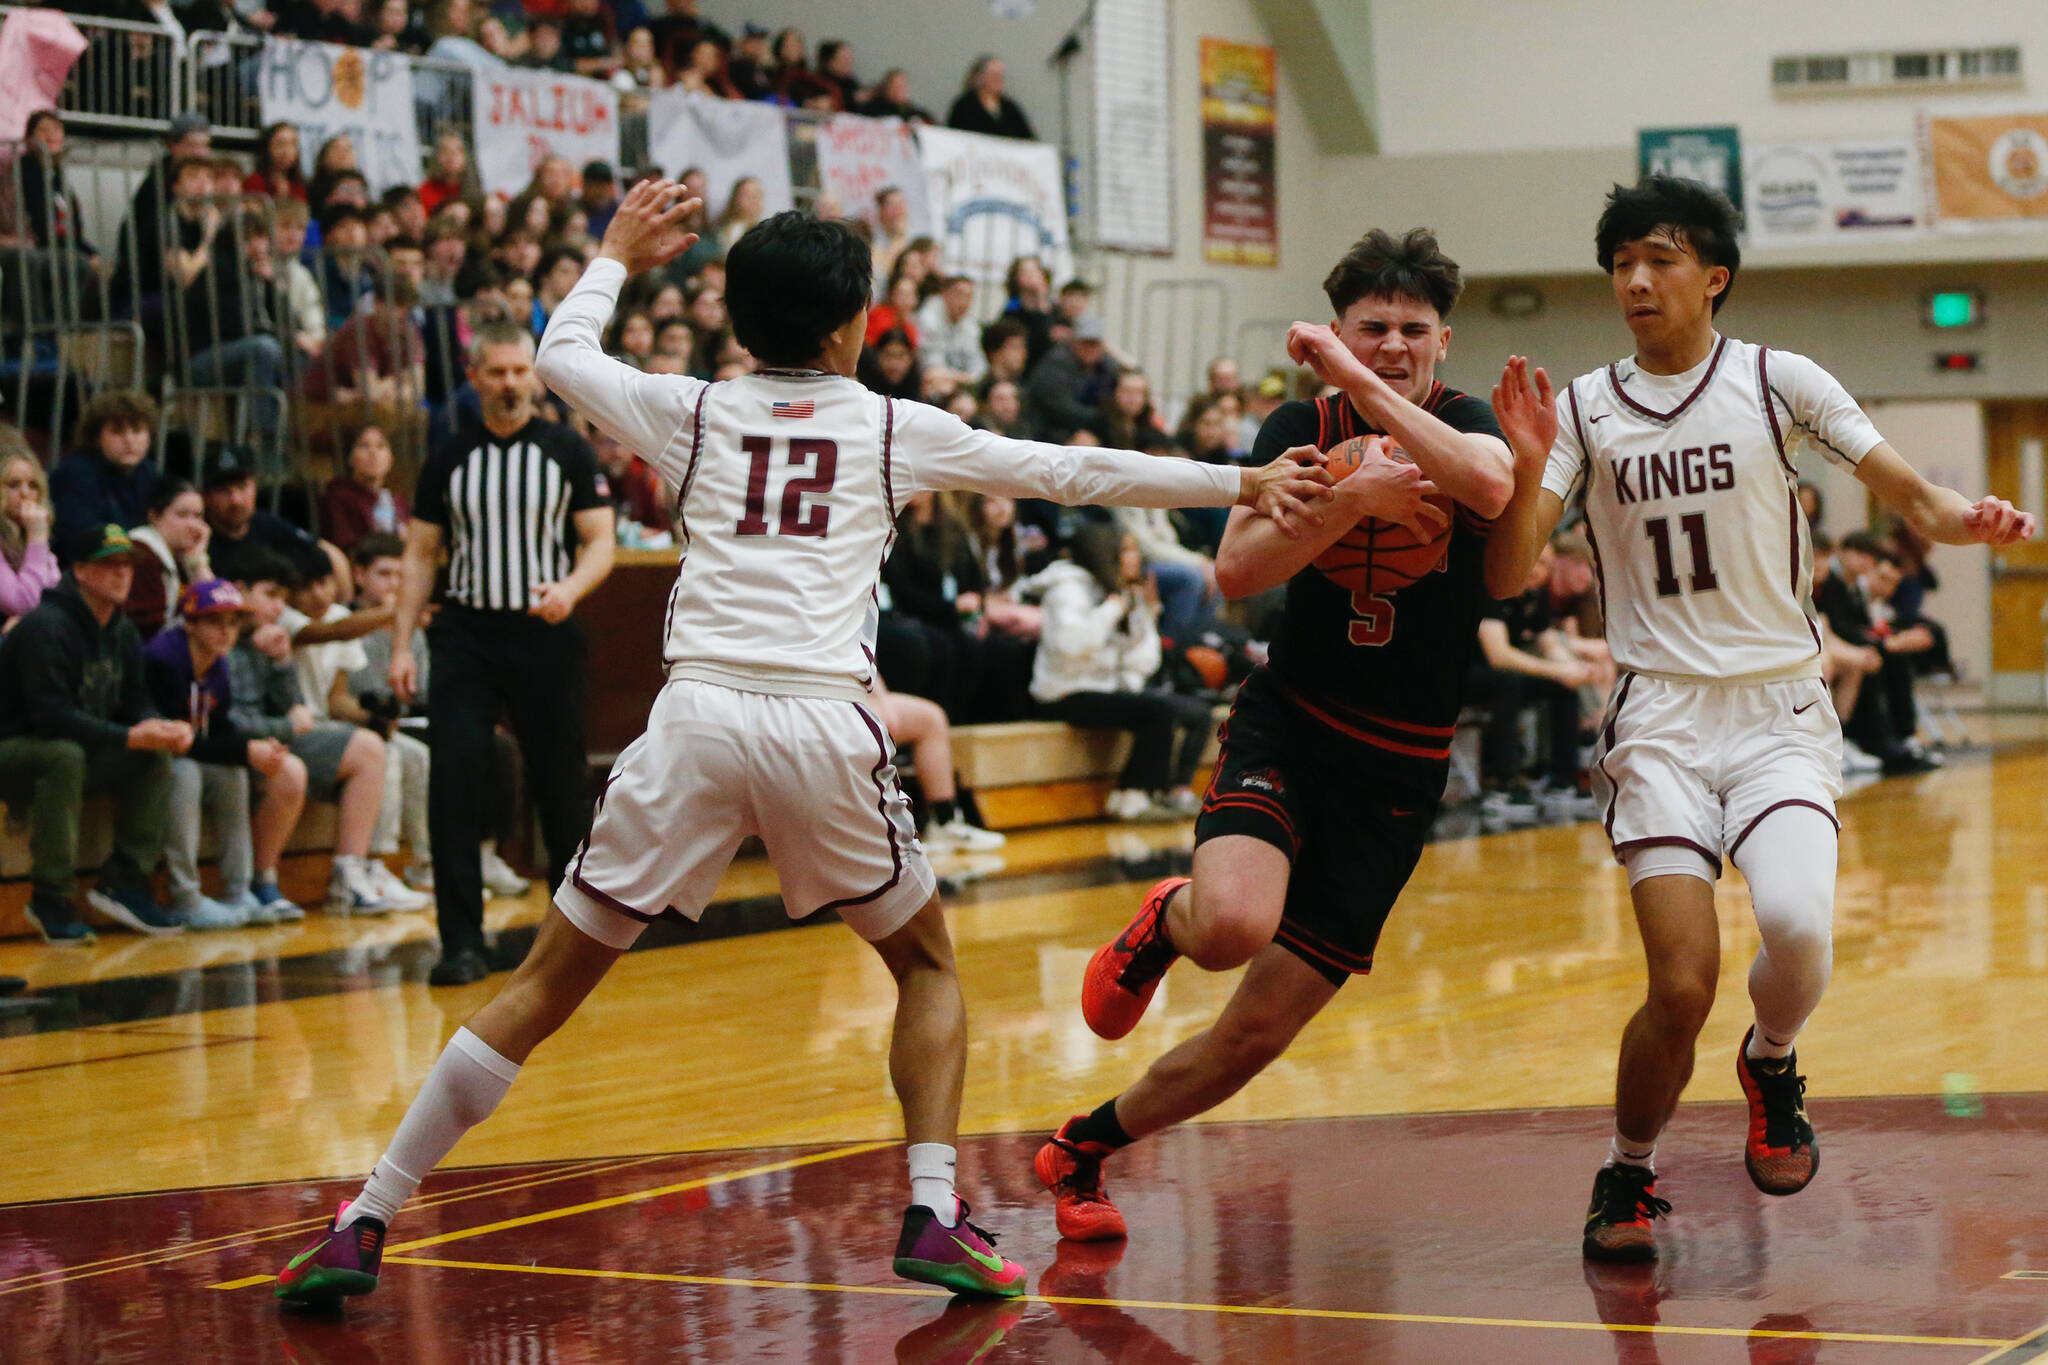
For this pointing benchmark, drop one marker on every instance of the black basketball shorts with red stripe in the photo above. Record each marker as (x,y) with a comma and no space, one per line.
(1351,819)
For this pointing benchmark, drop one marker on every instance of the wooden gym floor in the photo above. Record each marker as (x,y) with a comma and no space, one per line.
(701,1166)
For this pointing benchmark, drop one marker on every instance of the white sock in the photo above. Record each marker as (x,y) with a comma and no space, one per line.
(1623,1151)
(1763,1047)
(931,1180)
(460,1092)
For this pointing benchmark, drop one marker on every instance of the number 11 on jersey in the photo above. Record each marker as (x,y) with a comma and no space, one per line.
(1694,525)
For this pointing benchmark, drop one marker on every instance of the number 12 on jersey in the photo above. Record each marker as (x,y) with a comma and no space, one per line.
(1694,525)
(819,461)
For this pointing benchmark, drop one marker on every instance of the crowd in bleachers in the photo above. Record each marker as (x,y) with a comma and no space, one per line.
(230,653)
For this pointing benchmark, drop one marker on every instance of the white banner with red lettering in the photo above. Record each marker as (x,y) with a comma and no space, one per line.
(729,140)
(524,117)
(859,157)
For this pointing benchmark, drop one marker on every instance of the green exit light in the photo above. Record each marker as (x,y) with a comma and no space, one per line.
(1954,308)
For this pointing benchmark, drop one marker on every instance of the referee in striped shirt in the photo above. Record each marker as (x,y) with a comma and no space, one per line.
(517,504)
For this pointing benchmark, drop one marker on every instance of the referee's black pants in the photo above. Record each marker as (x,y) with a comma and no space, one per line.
(488,664)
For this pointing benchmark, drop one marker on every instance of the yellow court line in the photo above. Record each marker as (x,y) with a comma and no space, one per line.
(2005,1350)
(2025,1275)
(235,1241)
(617,1200)
(1240,1310)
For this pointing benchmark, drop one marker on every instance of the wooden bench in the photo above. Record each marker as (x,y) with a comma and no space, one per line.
(1042,772)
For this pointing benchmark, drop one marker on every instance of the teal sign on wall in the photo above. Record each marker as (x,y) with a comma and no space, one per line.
(1712,156)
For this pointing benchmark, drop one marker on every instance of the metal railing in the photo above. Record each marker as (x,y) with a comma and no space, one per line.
(126,79)
(223,83)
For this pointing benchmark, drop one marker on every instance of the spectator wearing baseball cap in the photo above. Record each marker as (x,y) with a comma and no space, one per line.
(187,670)
(76,719)
(1066,388)
(227,483)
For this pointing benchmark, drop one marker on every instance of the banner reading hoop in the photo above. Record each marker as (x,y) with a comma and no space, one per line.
(331,91)
(524,117)
(994,199)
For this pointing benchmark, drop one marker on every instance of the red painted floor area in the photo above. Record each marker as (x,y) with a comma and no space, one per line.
(1331,1240)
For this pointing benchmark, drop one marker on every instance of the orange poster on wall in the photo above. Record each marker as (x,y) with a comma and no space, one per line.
(1240,171)
(1989,168)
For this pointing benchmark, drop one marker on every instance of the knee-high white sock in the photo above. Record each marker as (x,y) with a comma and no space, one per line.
(460,1092)
(931,1179)
(1789,860)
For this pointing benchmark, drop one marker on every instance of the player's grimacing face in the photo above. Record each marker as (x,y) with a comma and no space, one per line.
(1400,339)
(1662,285)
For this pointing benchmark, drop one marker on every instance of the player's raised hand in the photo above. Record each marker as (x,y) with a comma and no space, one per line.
(1526,411)
(1994,521)
(1283,490)
(647,231)
(1317,346)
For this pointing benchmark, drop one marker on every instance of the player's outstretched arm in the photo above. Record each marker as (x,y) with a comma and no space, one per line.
(940,452)
(1470,467)
(1257,553)
(1940,514)
(643,410)
(1527,413)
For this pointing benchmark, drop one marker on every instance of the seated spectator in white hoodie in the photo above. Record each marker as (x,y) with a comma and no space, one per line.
(1097,648)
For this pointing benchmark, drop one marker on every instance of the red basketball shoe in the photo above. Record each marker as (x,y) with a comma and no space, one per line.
(1073,1172)
(1124,973)
(1781,1153)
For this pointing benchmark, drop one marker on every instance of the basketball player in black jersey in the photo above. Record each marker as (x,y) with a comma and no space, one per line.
(1335,753)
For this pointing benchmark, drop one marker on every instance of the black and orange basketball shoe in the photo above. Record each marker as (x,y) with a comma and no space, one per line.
(1782,1154)
(1618,1221)
(1073,1172)
(1123,973)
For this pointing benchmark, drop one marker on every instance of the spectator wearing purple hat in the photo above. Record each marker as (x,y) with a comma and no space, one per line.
(187,669)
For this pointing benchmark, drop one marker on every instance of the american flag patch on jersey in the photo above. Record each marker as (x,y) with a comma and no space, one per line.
(798,411)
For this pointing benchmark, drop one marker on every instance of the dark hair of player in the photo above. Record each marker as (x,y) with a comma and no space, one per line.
(791,282)
(1382,267)
(1695,216)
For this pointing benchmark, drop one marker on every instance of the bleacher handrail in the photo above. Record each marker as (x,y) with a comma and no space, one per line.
(100,90)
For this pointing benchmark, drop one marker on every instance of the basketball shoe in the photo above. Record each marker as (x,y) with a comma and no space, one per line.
(1624,1204)
(1073,1172)
(961,1258)
(1781,1154)
(340,1262)
(1124,973)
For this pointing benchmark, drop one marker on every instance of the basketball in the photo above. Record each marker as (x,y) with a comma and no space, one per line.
(1345,459)
(1374,556)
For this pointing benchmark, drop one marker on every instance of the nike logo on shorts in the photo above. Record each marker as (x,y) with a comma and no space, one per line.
(1808,707)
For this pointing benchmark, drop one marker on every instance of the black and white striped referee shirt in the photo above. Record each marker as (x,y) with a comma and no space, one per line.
(506,507)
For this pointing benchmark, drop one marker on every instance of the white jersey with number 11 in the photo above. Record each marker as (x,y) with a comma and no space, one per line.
(1704,558)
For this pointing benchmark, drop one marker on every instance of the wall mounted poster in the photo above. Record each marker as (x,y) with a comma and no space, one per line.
(1240,170)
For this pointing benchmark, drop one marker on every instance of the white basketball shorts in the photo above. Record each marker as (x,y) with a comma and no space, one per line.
(1700,764)
(812,777)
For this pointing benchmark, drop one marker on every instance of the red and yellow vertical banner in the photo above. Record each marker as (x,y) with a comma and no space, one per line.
(1240,174)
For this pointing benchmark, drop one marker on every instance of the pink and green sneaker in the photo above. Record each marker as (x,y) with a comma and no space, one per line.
(961,1258)
(342,1262)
